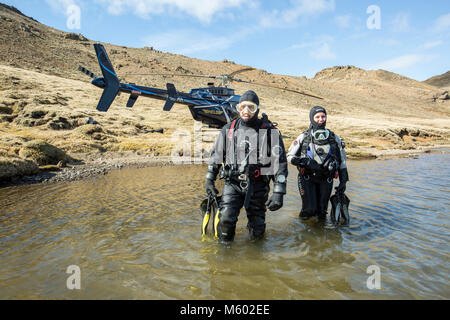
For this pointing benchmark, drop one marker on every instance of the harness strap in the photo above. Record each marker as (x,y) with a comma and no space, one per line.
(230,132)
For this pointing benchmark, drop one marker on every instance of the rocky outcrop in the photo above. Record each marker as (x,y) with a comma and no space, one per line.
(76,36)
(440,96)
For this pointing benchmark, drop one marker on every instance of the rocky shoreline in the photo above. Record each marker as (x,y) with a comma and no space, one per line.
(93,165)
(87,166)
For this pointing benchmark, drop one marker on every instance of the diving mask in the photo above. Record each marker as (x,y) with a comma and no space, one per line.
(321,134)
(251,107)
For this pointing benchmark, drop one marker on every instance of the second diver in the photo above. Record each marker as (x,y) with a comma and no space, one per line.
(320,157)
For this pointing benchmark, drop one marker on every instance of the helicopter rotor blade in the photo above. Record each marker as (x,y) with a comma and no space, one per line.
(173,75)
(194,75)
(281,88)
(240,71)
(228,77)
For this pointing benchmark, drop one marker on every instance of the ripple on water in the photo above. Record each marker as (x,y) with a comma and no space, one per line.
(135,233)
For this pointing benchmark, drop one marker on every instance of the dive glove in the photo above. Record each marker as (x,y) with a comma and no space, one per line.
(210,188)
(310,164)
(296,161)
(341,187)
(275,202)
(343,178)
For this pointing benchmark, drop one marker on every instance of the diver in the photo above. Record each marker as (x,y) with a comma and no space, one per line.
(320,157)
(248,153)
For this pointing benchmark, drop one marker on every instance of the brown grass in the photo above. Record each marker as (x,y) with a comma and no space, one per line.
(46,99)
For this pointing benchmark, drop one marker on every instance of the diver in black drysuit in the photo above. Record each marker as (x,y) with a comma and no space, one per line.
(320,157)
(238,155)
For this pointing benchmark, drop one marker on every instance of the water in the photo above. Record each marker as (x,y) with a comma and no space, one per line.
(135,234)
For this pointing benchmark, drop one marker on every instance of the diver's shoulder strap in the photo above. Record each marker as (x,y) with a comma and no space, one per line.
(332,135)
(231,130)
(232,138)
(266,123)
(307,138)
(334,147)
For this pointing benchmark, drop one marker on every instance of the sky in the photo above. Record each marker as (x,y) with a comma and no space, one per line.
(291,37)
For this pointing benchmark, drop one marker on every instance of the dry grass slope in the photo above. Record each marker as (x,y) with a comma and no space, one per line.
(43,99)
(442,80)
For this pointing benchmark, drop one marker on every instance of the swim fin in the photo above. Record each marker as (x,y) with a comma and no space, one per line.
(216,223)
(345,213)
(210,208)
(205,223)
(339,208)
(204,208)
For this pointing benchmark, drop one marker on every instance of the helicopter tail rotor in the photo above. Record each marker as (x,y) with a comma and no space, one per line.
(87,72)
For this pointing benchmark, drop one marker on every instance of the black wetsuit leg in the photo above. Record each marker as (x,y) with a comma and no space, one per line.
(231,204)
(325,189)
(309,193)
(256,212)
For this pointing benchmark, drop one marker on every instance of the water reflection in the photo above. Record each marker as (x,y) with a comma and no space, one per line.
(135,234)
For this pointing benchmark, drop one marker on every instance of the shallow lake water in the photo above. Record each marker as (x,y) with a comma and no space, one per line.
(135,234)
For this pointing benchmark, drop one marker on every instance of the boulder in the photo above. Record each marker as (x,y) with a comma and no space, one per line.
(444,96)
(90,120)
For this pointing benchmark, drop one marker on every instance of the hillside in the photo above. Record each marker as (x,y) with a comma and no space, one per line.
(441,81)
(43,98)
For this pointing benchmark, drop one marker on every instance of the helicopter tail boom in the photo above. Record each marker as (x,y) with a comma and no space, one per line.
(111,81)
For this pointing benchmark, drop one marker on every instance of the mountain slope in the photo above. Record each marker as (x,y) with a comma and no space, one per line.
(442,80)
(43,96)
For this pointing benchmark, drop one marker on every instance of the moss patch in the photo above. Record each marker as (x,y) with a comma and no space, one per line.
(42,153)
(10,167)
(149,146)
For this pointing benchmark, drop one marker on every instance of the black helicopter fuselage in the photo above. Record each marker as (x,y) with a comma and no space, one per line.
(213,106)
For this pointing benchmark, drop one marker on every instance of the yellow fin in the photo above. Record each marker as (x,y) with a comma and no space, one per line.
(216,222)
(205,223)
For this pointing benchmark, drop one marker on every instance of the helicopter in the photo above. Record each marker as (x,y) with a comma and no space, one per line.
(213,106)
